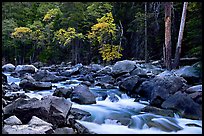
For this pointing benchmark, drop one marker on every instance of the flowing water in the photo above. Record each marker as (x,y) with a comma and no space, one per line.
(123,116)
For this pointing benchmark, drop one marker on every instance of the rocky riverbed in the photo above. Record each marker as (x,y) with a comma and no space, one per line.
(126,97)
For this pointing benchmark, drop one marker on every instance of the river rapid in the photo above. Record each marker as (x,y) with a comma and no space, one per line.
(123,116)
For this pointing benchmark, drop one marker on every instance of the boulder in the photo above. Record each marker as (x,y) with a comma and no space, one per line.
(45,76)
(64,130)
(122,67)
(51,109)
(193,89)
(190,73)
(128,84)
(25,84)
(4,79)
(158,111)
(34,126)
(184,105)
(63,92)
(14,87)
(8,68)
(87,83)
(96,67)
(159,88)
(104,71)
(139,72)
(38,64)
(107,86)
(26,69)
(105,79)
(82,95)
(12,120)
(87,77)
(79,114)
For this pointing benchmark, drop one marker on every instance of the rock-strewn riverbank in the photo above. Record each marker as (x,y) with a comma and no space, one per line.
(177,91)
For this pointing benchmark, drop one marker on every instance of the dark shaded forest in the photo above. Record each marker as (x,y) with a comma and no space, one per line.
(95,32)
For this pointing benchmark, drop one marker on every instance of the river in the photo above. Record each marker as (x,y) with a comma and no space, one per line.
(122,116)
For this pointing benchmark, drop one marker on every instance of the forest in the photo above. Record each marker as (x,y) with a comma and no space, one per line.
(95,32)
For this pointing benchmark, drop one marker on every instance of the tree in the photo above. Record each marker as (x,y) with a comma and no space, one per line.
(104,33)
(167,56)
(22,34)
(146,51)
(180,37)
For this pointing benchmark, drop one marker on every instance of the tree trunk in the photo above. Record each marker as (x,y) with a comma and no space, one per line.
(146,52)
(168,35)
(180,37)
(121,35)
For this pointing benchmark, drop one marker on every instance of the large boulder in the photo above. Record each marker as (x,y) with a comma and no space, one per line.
(128,84)
(184,105)
(104,71)
(122,67)
(34,126)
(105,79)
(46,76)
(8,68)
(26,69)
(190,73)
(63,92)
(28,85)
(12,120)
(96,67)
(160,88)
(82,95)
(139,71)
(51,109)
(193,89)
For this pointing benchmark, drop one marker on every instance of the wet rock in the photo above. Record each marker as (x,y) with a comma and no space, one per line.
(12,120)
(107,86)
(139,72)
(105,79)
(159,88)
(79,127)
(15,87)
(82,95)
(190,73)
(4,79)
(38,64)
(104,71)
(158,111)
(113,98)
(193,89)
(64,130)
(11,96)
(87,77)
(25,84)
(79,114)
(34,126)
(63,92)
(182,103)
(51,109)
(8,68)
(26,69)
(87,83)
(122,67)
(128,84)
(96,67)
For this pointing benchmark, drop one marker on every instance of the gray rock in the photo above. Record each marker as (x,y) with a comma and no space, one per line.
(158,111)
(87,77)
(182,103)
(63,92)
(26,69)
(12,120)
(139,71)
(15,87)
(128,84)
(4,79)
(8,68)
(105,79)
(51,109)
(106,70)
(64,130)
(25,84)
(87,83)
(107,86)
(192,89)
(159,88)
(79,114)
(38,122)
(190,73)
(79,127)
(82,95)
(122,67)
(96,67)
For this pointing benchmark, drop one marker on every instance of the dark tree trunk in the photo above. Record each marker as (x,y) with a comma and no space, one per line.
(146,51)
(168,35)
